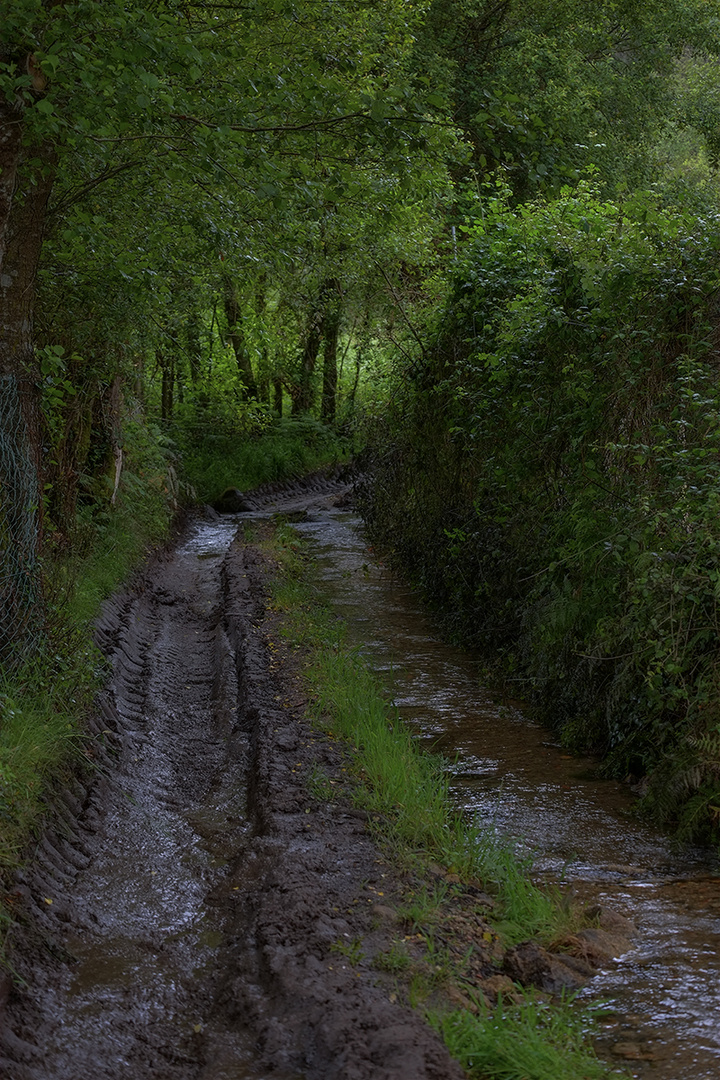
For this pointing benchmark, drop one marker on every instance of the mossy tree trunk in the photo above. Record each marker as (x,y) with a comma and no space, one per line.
(319,324)
(233,314)
(20,430)
(331,333)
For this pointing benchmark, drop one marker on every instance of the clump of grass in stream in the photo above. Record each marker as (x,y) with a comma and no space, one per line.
(528,1041)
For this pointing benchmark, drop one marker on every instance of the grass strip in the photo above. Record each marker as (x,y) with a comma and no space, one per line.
(529,1041)
(44,700)
(406,788)
(407,791)
(40,735)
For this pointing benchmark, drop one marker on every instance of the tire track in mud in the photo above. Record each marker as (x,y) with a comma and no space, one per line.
(178,918)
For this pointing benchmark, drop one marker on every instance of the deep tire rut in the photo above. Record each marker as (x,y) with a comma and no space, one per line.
(178,918)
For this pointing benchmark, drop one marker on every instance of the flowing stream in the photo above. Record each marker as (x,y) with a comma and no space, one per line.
(663,997)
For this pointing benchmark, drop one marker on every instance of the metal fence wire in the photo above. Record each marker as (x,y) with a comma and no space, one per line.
(19,589)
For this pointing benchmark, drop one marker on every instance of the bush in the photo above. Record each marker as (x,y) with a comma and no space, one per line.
(551,477)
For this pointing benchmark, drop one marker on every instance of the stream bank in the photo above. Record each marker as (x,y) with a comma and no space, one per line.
(662,1015)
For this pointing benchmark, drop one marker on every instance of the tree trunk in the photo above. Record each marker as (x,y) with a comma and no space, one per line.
(11,131)
(331,331)
(233,314)
(193,345)
(278,395)
(70,454)
(356,380)
(303,397)
(264,362)
(114,413)
(20,437)
(363,344)
(167,368)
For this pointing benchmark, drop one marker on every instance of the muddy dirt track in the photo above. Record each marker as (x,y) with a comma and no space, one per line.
(181,917)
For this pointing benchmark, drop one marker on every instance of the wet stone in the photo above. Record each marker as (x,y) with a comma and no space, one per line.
(612,921)
(385,913)
(532,965)
(598,946)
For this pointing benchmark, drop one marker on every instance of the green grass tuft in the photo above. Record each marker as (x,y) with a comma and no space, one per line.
(41,707)
(529,1041)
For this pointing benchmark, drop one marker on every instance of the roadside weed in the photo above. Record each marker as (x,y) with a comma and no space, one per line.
(319,785)
(40,737)
(393,960)
(425,907)
(350,949)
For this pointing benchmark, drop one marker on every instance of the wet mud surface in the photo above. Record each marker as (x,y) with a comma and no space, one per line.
(185,913)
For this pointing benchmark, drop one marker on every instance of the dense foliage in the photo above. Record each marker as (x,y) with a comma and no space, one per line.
(237,238)
(552,476)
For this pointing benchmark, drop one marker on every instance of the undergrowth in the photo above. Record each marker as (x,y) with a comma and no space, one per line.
(405,790)
(46,696)
(218,458)
(42,705)
(528,1041)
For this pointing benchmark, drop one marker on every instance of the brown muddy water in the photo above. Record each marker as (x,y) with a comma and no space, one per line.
(663,996)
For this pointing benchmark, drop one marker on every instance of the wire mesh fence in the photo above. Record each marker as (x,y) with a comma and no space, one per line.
(19,590)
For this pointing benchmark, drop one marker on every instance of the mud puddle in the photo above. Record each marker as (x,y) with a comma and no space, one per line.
(178,920)
(663,996)
(131,914)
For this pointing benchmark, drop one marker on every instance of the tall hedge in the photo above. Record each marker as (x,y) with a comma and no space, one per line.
(550,478)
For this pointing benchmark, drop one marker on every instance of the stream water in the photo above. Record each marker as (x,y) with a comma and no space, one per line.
(663,997)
